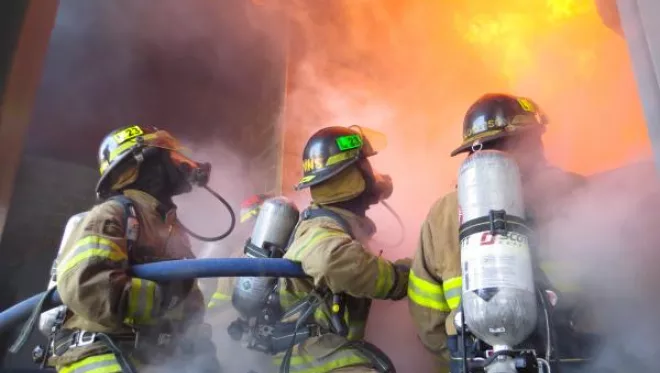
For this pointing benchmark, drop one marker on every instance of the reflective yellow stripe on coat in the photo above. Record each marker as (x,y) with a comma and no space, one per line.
(314,240)
(91,247)
(385,279)
(304,363)
(142,302)
(218,297)
(106,363)
(453,288)
(426,294)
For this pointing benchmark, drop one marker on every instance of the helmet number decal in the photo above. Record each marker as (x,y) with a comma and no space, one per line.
(526,104)
(349,142)
(127,134)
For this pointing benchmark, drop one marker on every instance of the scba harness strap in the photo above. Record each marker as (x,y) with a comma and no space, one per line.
(131,226)
(307,306)
(277,336)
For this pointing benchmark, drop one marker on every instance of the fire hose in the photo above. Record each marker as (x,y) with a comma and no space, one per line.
(169,271)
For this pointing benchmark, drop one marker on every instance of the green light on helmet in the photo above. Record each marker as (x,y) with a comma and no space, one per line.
(349,142)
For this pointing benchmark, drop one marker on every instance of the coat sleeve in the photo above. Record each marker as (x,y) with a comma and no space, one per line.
(92,273)
(431,297)
(336,261)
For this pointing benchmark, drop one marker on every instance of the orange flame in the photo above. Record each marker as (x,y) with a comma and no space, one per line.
(412,68)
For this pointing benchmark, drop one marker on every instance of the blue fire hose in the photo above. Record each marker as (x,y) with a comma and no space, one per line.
(169,271)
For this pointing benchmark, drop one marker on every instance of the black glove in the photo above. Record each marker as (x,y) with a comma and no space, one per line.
(401,272)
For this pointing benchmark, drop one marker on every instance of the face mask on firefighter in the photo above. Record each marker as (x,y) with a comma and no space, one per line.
(195,173)
(186,174)
(380,188)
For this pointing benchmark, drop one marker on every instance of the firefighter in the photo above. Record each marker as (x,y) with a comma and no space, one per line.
(330,243)
(501,122)
(221,298)
(116,322)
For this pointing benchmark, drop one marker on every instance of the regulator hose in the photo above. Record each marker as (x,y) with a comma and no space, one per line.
(169,271)
(402,229)
(231,215)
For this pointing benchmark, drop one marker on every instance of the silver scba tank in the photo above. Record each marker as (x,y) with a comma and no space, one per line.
(499,299)
(47,319)
(277,218)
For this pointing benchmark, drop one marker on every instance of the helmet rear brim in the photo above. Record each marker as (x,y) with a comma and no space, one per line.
(468,145)
(320,177)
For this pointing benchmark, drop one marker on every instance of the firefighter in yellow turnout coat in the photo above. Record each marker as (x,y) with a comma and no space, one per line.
(116,322)
(505,123)
(330,245)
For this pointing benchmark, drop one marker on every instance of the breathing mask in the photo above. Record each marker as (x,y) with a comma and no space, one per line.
(184,173)
(379,186)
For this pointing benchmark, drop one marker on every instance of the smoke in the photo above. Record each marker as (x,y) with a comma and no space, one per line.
(411,69)
(407,68)
(200,69)
(206,71)
(605,233)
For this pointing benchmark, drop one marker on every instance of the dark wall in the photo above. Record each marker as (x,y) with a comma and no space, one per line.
(205,70)
(11,19)
(210,72)
(47,193)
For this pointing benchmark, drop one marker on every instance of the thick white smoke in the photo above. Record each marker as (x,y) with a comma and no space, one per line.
(388,67)
(606,232)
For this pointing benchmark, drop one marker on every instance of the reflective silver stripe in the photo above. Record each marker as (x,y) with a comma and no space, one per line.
(82,248)
(141,310)
(94,364)
(143,304)
(451,293)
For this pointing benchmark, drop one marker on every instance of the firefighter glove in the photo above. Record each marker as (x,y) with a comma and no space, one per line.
(401,272)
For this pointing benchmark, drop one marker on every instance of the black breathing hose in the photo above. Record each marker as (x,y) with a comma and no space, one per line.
(231,225)
(400,222)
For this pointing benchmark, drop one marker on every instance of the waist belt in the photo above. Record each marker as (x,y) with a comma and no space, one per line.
(67,339)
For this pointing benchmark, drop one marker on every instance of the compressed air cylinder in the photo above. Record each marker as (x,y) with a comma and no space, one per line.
(47,319)
(499,299)
(275,223)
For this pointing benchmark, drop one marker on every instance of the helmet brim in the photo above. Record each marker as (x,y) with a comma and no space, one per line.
(516,131)
(103,186)
(374,141)
(323,175)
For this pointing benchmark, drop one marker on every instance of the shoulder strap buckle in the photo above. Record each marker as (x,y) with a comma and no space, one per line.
(310,213)
(131,222)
